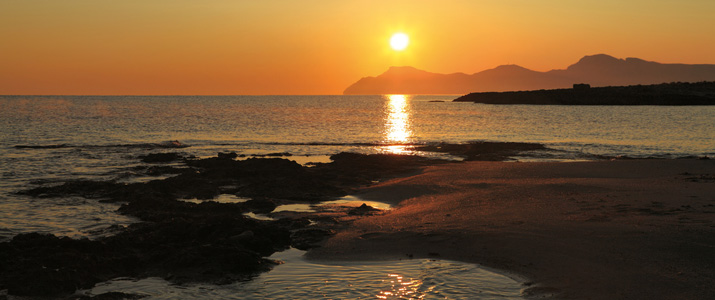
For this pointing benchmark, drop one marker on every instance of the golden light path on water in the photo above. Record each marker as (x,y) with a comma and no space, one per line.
(403,288)
(397,124)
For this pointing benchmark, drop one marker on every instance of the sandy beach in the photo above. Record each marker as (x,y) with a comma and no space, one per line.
(626,229)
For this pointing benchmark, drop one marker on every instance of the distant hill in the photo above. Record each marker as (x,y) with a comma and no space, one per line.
(596,70)
(677,93)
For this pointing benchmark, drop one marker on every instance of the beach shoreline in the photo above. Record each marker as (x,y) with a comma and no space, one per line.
(624,229)
(618,229)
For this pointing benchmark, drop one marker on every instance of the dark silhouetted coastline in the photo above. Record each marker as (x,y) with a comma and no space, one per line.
(679,93)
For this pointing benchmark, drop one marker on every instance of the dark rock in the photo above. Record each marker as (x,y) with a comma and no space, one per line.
(364,169)
(308,238)
(84,188)
(41,146)
(484,151)
(160,170)
(293,224)
(227,155)
(160,157)
(194,247)
(108,296)
(172,144)
(243,236)
(260,205)
(275,154)
(279,154)
(362,210)
(187,242)
(541,292)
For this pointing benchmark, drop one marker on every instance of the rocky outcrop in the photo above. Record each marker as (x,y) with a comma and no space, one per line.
(182,241)
(482,151)
(205,242)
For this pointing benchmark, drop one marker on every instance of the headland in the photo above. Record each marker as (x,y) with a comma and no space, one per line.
(678,93)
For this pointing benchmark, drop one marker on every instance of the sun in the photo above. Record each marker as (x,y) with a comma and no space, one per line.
(399,41)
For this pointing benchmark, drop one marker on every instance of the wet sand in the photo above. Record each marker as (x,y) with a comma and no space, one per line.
(628,229)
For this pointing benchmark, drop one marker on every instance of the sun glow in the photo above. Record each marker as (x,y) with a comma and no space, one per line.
(399,41)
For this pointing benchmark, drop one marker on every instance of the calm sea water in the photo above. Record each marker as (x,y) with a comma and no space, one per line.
(49,140)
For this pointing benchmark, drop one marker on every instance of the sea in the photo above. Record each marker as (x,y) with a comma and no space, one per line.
(48,140)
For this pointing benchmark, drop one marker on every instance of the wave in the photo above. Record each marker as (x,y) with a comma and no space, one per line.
(165,144)
(42,146)
(364,144)
(177,144)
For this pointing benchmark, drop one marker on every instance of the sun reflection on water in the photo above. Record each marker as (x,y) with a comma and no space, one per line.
(398,131)
(401,288)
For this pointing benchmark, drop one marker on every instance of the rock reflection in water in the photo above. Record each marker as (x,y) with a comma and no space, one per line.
(302,279)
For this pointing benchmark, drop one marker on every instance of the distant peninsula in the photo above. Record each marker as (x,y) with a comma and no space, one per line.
(677,93)
(599,70)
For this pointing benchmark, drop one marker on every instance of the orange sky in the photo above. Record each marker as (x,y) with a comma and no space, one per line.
(230,47)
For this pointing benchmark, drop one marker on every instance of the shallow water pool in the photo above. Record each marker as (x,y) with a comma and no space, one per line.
(299,278)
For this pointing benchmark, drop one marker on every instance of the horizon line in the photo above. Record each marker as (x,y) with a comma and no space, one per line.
(211,95)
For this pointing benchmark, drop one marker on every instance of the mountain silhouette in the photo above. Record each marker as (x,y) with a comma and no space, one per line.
(596,70)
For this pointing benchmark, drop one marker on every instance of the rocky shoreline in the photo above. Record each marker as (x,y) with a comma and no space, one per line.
(207,241)
(182,241)
(212,242)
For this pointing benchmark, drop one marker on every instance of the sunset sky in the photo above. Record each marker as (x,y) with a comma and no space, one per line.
(231,47)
